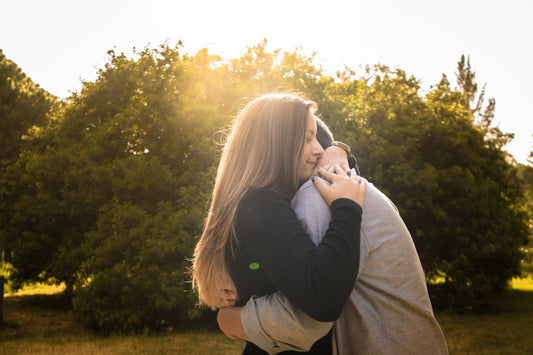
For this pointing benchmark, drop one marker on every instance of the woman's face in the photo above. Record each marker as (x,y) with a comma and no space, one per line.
(312,151)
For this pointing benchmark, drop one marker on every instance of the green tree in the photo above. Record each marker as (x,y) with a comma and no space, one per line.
(110,196)
(452,183)
(139,135)
(525,173)
(23,106)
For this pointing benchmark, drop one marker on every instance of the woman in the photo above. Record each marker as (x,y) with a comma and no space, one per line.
(252,238)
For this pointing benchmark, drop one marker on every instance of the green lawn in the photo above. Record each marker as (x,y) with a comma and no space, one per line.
(40,324)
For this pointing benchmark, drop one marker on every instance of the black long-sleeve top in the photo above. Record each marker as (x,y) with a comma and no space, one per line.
(274,253)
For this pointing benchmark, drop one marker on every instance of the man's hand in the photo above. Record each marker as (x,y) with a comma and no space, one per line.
(229,321)
(334,155)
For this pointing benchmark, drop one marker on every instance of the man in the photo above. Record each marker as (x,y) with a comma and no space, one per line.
(388,311)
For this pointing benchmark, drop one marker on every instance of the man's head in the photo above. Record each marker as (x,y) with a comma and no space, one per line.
(325,138)
(323,134)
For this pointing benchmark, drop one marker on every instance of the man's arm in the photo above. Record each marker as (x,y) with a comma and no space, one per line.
(229,321)
(273,323)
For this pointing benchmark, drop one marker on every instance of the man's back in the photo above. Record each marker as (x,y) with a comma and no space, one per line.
(389,311)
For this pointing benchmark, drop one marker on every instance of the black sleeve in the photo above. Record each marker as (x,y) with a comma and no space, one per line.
(318,279)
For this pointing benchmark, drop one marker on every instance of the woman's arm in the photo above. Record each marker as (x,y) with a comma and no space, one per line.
(317,279)
(264,319)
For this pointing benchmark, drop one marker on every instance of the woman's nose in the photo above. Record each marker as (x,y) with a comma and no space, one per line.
(317,149)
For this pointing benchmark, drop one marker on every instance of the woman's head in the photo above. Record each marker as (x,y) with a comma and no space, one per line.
(272,144)
(268,141)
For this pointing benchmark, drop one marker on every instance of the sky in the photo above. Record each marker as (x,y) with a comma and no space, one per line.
(59,43)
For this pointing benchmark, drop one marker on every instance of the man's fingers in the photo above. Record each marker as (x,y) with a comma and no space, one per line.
(332,175)
(339,170)
(329,175)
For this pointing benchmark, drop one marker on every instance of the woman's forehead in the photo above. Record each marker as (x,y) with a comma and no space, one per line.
(311,122)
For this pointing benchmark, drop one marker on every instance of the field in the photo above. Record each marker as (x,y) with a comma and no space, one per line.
(37,322)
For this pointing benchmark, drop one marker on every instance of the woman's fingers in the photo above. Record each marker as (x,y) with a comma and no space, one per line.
(326,174)
(331,168)
(334,172)
(352,187)
(363,183)
(323,188)
(340,171)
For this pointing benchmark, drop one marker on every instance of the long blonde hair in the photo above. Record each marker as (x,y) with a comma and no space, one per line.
(262,150)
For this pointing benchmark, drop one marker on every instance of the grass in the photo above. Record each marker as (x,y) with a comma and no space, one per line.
(506,329)
(41,324)
(524,284)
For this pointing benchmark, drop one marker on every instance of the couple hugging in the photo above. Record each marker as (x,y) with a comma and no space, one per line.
(299,252)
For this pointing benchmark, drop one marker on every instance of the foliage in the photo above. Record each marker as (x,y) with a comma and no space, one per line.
(111,195)
(23,106)
(525,173)
(24,109)
(459,195)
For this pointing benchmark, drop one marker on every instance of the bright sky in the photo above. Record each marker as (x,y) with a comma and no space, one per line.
(58,43)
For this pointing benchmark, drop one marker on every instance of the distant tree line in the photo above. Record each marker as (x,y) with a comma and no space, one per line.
(107,190)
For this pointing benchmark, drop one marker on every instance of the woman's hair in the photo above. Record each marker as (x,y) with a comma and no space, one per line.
(263,149)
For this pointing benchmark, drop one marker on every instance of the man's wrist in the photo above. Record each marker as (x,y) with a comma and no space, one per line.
(342,145)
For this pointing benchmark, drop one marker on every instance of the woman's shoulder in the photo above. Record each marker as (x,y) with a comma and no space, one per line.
(262,202)
(261,195)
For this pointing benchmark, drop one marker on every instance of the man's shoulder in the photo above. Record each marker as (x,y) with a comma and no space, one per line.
(307,193)
(375,199)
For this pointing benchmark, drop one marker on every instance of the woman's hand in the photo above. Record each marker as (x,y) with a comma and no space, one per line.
(342,185)
(334,155)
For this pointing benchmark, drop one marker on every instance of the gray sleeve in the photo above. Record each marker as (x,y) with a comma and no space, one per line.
(312,211)
(275,325)
(272,322)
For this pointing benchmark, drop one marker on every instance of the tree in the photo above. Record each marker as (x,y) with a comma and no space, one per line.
(110,196)
(23,106)
(525,173)
(452,183)
(139,136)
